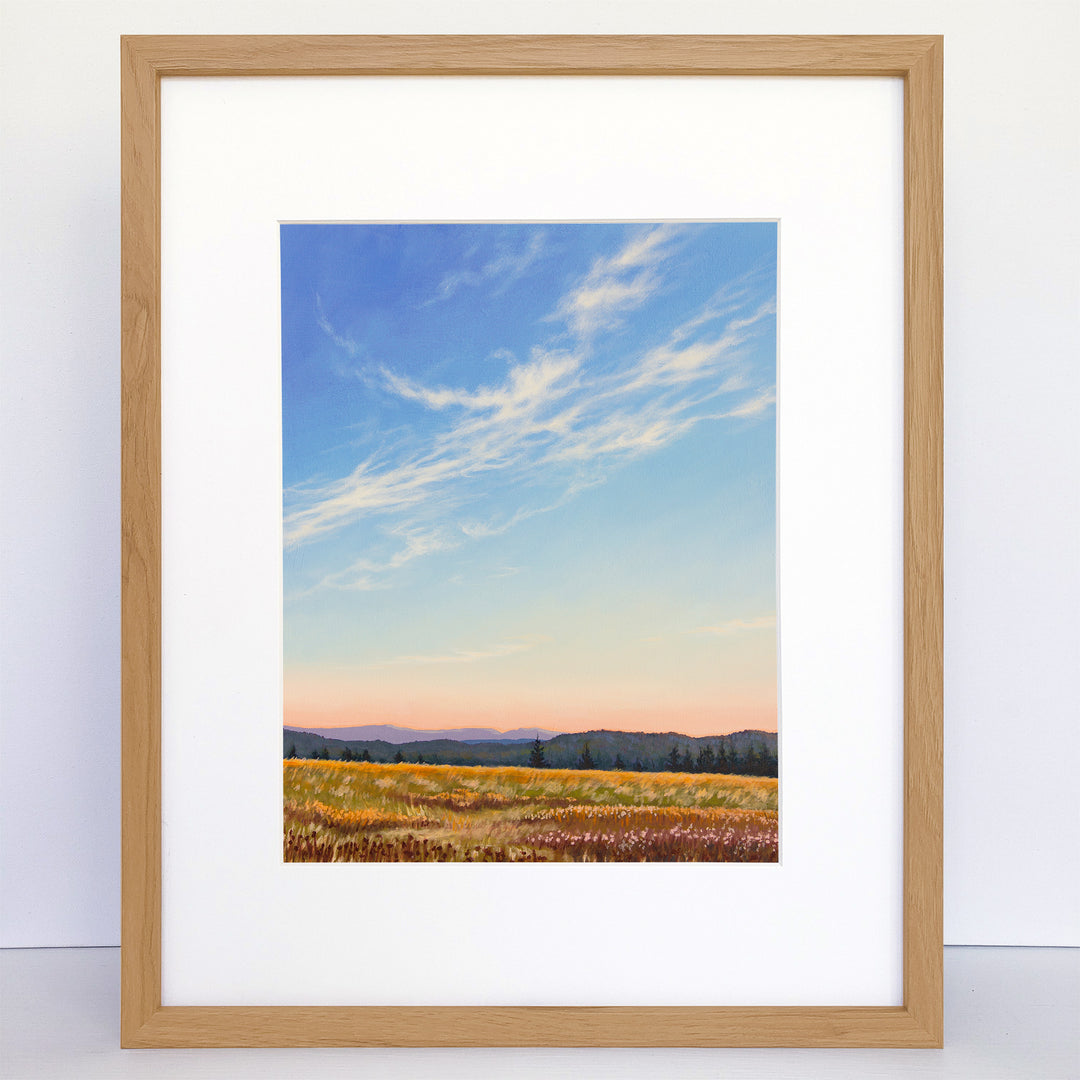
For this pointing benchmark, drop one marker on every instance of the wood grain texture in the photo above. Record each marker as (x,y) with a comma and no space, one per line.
(140,930)
(533,55)
(532,1026)
(144,1022)
(923,581)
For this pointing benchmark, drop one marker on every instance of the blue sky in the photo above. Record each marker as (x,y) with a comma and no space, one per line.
(529,475)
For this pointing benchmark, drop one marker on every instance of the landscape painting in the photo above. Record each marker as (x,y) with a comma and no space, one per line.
(529,542)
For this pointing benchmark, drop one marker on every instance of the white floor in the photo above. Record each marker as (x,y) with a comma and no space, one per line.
(1009,1013)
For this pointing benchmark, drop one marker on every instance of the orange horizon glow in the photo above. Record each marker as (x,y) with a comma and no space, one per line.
(452,697)
(696,723)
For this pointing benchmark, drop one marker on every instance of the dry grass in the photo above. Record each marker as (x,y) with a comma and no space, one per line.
(366,812)
(658,834)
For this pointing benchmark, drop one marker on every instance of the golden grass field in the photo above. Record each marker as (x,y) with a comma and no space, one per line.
(338,811)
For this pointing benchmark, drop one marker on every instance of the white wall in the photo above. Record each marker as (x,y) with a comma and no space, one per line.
(1012,640)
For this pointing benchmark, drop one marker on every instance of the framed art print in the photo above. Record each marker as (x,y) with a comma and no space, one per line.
(532,541)
(529,479)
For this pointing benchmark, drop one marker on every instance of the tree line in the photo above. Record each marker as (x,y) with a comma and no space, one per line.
(725,757)
(758,760)
(322,753)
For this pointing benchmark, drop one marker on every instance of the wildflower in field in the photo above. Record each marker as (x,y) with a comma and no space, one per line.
(367,812)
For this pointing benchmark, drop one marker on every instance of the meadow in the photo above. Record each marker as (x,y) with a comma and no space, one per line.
(337,811)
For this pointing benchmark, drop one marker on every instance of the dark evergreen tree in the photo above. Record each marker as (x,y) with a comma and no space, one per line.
(536,754)
(292,751)
(419,759)
(706,760)
(733,757)
(346,754)
(769,762)
(365,754)
(673,761)
(755,764)
(638,767)
(619,766)
(586,759)
(399,757)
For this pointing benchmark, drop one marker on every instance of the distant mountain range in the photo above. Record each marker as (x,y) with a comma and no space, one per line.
(395,735)
(743,751)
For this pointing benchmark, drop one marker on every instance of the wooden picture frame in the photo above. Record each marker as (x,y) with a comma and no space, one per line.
(918,1022)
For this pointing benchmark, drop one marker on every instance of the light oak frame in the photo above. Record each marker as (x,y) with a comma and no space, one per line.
(917,60)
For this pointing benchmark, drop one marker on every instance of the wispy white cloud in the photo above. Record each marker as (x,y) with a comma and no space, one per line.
(477,530)
(343,341)
(625,434)
(754,406)
(733,296)
(503,269)
(509,266)
(617,284)
(366,574)
(496,431)
(675,362)
(525,386)
(738,626)
(367,489)
(548,428)
(600,304)
(461,656)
